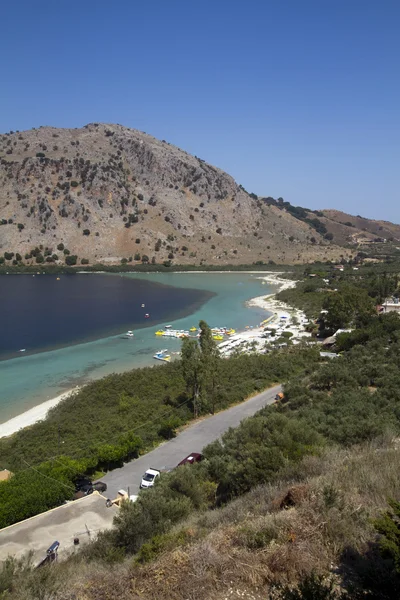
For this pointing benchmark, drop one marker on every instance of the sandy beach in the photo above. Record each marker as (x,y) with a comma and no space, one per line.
(270,303)
(31,416)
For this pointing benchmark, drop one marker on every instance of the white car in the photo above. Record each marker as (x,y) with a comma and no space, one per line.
(149,478)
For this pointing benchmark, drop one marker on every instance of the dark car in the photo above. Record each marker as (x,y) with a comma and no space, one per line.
(191,459)
(87,489)
(81,482)
(100,486)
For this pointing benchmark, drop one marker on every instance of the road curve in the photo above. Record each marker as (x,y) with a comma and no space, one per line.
(193,439)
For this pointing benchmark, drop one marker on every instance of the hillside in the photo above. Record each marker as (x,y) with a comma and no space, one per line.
(357,229)
(107,193)
(356,233)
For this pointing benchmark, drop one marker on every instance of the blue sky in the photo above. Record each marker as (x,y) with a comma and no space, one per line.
(294,98)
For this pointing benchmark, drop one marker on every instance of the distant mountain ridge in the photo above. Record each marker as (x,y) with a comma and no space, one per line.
(106,193)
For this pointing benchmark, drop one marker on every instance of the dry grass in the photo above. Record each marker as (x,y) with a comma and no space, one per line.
(273,535)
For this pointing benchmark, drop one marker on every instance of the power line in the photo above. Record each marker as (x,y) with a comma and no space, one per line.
(69,487)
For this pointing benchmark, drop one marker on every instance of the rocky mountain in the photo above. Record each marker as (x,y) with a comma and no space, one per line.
(106,193)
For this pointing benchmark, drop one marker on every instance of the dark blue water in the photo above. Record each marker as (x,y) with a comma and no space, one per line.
(40,313)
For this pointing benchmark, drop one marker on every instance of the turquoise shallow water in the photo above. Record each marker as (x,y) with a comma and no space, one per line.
(29,380)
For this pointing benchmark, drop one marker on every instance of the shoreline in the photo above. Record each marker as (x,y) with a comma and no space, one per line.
(270,302)
(39,412)
(33,415)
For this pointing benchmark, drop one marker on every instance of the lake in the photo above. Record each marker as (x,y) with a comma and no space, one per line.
(47,312)
(73,328)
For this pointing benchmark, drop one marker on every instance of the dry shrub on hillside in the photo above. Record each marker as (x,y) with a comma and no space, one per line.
(252,544)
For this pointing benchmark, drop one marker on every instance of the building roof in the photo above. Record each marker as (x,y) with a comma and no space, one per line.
(81,519)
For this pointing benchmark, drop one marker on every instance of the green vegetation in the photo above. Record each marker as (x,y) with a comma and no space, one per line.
(328,452)
(71,259)
(111,420)
(348,296)
(308,296)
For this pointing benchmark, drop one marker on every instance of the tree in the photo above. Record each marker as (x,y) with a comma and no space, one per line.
(210,363)
(200,364)
(191,367)
(71,259)
(347,307)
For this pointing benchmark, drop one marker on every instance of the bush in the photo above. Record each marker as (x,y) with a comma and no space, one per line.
(84,261)
(173,498)
(168,428)
(60,246)
(86,232)
(20,226)
(71,260)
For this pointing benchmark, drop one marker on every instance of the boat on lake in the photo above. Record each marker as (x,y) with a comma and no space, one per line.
(162,355)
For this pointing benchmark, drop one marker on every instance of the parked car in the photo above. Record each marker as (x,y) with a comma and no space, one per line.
(82,481)
(87,489)
(149,478)
(191,459)
(99,486)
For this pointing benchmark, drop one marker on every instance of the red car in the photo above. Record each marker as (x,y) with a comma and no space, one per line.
(191,459)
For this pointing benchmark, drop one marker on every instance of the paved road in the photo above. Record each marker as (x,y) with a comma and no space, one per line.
(193,439)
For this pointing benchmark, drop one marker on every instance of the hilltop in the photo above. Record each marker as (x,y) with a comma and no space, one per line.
(106,193)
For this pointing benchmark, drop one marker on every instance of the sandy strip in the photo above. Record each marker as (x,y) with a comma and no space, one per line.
(33,415)
(271,304)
